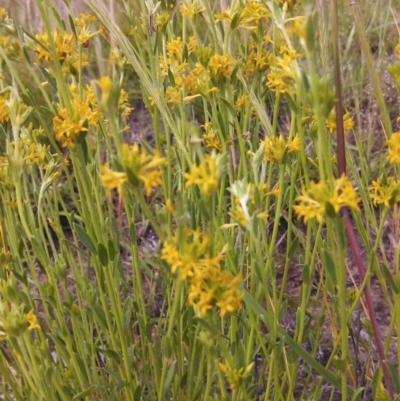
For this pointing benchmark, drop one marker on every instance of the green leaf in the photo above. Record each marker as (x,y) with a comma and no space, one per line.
(171,77)
(310,35)
(389,278)
(103,254)
(72,25)
(234,21)
(27,99)
(170,376)
(98,310)
(47,112)
(329,266)
(39,253)
(48,78)
(86,393)
(293,247)
(185,53)
(183,382)
(57,17)
(357,394)
(84,146)
(85,238)
(394,376)
(167,347)
(137,396)
(111,250)
(115,375)
(127,314)
(229,107)
(132,233)
(210,328)
(306,274)
(30,36)
(111,354)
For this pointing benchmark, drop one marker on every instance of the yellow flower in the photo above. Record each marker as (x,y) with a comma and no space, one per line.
(348,122)
(112,179)
(394,148)
(172,96)
(105,84)
(66,130)
(222,16)
(210,138)
(385,191)
(174,49)
(169,207)
(238,214)
(4,116)
(209,285)
(281,77)
(206,175)
(235,376)
(32,320)
(162,19)
(70,124)
(320,200)
(241,102)
(190,10)
(139,168)
(221,66)
(3,14)
(252,15)
(64,42)
(276,148)
(171,255)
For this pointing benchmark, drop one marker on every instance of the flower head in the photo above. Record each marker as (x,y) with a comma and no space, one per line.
(235,376)
(139,168)
(321,200)
(209,285)
(385,191)
(394,148)
(276,147)
(206,175)
(348,122)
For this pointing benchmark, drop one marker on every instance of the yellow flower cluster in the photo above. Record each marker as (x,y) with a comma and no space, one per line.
(348,122)
(250,17)
(385,191)
(210,286)
(4,116)
(14,322)
(322,200)
(281,77)
(188,79)
(32,153)
(210,138)
(206,175)
(235,376)
(220,66)
(70,123)
(277,147)
(190,9)
(5,181)
(68,45)
(394,148)
(139,168)
(10,45)
(106,85)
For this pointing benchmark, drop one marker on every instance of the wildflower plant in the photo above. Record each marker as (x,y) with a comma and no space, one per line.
(200,262)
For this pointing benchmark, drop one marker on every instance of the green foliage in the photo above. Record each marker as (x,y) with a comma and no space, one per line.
(207,261)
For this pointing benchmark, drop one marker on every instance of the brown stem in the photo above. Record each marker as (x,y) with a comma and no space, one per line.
(341,156)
